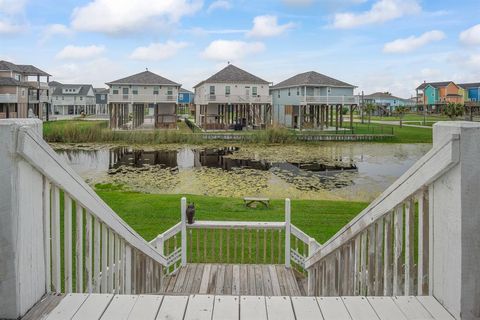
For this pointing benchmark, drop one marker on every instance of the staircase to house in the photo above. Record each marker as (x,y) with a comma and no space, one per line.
(413,253)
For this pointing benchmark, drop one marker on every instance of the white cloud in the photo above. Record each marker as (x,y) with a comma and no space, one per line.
(231,50)
(267,26)
(115,16)
(412,43)
(71,52)
(381,11)
(8,27)
(219,4)
(301,3)
(53,30)
(198,31)
(471,36)
(158,51)
(12,6)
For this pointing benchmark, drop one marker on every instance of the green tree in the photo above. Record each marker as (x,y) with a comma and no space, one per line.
(400,111)
(453,110)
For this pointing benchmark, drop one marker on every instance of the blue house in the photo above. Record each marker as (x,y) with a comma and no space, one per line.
(386,103)
(311,100)
(472,91)
(185,102)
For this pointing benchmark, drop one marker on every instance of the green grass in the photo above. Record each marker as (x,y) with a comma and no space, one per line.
(401,135)
(408,117)
(82,131)
(152,214)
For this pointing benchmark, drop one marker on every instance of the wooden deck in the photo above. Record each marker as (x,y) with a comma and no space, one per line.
(235,279)
(222,307)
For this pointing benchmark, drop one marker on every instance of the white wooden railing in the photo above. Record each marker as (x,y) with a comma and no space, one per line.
(331,99)
(384,251)
(98,252)
(239,242)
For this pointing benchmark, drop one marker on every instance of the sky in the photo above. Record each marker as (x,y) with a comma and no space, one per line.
(376,45)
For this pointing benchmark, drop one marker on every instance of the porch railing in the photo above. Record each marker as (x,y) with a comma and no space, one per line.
(236,242)
(98,251)
(331,99)
(385,250)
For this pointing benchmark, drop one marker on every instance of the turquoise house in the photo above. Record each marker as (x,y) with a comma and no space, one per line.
(310,100)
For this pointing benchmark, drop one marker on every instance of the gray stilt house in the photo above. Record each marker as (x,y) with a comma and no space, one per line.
(131,97)
(232,98)
(311,100)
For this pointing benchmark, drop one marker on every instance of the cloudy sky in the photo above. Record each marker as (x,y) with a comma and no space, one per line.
(377,45)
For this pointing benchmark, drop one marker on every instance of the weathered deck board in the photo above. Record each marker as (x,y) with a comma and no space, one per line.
(227,279)
(228,307)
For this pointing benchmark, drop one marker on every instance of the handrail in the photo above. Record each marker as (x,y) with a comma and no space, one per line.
(431,166)
(41,156)
(236,225)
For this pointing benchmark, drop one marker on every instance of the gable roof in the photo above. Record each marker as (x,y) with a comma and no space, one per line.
(382,95)
(22,68)
(100,90)
(311,78)
(233,74)
(434,84)
(145,77)
(185,91)
(84,88)
(54,84)
(470,85)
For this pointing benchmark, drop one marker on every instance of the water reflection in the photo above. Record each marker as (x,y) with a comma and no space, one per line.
(333,171)
(186,159)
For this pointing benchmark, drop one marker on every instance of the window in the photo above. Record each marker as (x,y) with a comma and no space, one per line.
(169,92)
(63,98)
(212,90)
(125,90)
(180,96)
(289,92)
(81,98)
(155,90)
(56,98)
(254,91)
(115,91)
(135,90)
(227,90)
(102,97)
(298,91)
(278,93)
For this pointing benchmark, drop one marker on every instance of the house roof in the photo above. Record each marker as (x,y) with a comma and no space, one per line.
(26,69)
(469,85)
(434,84)
(54,84)
(311,78)
(84,88)
(382,95)
(185,91)
(143,78)
(233,74)
(5,81)
(100,90)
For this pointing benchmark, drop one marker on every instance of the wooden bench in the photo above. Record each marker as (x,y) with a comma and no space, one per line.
(251,200)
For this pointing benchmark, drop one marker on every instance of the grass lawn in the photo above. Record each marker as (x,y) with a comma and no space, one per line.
(152,214)
(401,135)
(408,117)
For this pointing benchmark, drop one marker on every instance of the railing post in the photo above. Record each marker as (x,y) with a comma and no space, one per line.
(184,230)
(159,244)
(454,199)
(310,273)
(22,244)
(287,233)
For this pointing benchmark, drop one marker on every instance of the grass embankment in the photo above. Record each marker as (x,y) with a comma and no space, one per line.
(81,131)
(400,135)
(152,214)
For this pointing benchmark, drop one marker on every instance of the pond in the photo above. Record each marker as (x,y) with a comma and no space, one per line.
(354,171)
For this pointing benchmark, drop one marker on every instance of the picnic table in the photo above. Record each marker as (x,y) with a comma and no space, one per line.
(249,201)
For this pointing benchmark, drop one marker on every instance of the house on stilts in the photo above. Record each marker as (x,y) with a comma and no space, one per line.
(131,99)
(312,100)
(232,99)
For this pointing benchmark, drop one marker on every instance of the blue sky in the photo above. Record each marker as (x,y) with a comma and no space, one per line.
(377,45)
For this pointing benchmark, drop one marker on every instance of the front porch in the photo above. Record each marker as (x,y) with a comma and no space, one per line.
(234,116)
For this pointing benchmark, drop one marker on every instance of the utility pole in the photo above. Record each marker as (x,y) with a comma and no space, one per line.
(363,106)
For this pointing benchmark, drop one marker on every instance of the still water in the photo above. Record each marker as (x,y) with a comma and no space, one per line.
(353,171)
